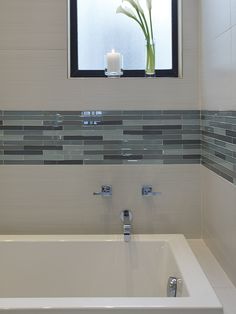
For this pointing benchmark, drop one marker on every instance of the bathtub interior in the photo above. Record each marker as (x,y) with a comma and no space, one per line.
(59,269)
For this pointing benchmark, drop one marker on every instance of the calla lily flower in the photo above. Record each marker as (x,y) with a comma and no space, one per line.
(134,10)
(149,4)
(132,3)
(127,11)
(139,6)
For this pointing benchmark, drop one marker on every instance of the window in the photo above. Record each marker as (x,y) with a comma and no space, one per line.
(96,29)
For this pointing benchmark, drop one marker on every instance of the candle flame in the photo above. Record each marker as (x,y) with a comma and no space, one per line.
(113,50)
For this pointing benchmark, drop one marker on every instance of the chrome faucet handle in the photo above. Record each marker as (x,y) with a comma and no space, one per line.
(147,190)
(106,190)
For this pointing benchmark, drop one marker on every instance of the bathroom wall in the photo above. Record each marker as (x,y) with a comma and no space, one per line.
(33,65)
(59,199)
(219,126)
(51,197)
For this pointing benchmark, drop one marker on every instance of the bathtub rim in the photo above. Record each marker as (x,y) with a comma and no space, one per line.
(201,295)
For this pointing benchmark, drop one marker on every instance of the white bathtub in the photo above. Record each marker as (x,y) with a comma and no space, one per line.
(101,275)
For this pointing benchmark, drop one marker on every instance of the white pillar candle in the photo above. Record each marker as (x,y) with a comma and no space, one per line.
(114,63)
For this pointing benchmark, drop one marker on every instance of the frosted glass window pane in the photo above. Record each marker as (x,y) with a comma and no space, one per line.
(100,30)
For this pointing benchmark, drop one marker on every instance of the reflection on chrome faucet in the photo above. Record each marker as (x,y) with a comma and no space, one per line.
(126,217)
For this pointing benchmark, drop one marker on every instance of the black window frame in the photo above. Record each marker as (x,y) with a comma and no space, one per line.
(76,72)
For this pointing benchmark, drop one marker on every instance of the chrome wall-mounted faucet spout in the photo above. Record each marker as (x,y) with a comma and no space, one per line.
(147,190)
(126,217)
(106,190)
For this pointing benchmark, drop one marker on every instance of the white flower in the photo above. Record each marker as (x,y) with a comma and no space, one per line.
(135,11)
(132,3)
(149,4)
(139,6)
(127,11)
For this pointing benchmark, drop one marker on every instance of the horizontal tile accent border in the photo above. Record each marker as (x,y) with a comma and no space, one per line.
(219,143)
(120,137)
(100,137)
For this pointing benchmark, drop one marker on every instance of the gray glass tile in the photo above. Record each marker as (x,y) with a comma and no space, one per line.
(63,162)
(191,127)
(44,147)
(143,162)
(121,157)
(191,137)
(231,133)
(23,162)
(175,119)
(12,147)
(153,156)
(23,122)
(93,157)
(13,157)
(21,113)
(103,162)
(181,162)
(85,138)
(11,127)
(162,127)
(17,132)
(191,116)
(23,152)
(222,125)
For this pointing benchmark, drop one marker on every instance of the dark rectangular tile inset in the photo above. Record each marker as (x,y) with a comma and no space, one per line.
(122,157)
(110,122)
(144,132)
(219,155)
(23,152)
(43,148)
(162,127)
(231,133)
(43,128)
(82,137)
(63,162)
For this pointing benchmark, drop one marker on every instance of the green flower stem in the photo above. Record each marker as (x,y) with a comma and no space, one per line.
(144,23)
(140,24)
(150,18)
(147,28)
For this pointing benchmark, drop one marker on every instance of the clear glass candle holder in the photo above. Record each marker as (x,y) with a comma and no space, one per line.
(114,74)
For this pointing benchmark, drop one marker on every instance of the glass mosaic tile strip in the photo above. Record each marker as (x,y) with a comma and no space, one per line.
(120,137)
(100,137)
(219,143)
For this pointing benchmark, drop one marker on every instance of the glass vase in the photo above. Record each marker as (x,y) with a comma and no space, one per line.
(150,70)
